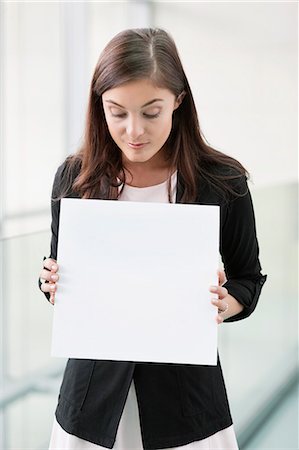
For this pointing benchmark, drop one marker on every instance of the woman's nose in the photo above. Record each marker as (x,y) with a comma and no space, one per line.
(135,128)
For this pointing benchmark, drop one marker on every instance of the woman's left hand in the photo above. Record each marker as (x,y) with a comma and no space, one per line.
(222,297)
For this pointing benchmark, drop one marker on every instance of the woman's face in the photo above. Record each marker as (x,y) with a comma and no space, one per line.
(139,113)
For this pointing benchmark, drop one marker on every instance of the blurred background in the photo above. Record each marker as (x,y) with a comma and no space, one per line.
(241,61)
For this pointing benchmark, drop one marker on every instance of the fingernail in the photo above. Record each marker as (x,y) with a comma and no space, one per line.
(53,267)
(52,287)
(213,288)
(54,277)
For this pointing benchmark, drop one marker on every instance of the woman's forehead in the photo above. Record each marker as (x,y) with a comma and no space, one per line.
(141,89)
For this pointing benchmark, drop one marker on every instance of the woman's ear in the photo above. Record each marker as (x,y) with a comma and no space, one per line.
(179,99)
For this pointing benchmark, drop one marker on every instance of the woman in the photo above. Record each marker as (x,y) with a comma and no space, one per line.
(143,143)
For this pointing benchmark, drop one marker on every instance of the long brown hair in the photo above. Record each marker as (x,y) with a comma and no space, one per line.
(133,54)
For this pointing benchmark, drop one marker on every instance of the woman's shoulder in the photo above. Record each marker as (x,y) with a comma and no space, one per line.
(70,164)
(65,174)
(223,182)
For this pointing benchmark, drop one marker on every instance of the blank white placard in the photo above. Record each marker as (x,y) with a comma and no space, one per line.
(134,281)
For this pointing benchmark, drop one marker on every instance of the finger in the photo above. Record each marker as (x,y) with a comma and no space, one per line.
(48,275)
(221,277)
(52,298)
(221,291)
(219,319)
(49,287)
(215,301)
(51,264)
(221,304)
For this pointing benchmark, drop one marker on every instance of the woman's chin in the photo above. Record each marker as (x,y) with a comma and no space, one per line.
(136,157)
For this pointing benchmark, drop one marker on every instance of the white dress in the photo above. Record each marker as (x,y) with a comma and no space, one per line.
(128,435)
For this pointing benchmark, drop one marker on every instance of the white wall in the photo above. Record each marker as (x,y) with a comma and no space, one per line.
(33,103)
(241,61)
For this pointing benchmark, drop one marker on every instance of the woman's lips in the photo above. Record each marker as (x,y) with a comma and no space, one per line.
(137,145)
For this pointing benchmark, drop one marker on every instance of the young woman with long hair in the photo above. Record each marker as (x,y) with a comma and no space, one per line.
(143,142)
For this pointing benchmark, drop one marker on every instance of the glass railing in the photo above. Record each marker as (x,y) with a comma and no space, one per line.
(258,355)
(30,375)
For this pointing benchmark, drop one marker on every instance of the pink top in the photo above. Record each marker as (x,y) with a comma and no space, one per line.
(155,193)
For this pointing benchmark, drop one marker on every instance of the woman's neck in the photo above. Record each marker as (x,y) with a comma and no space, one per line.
(145,179)
(149,173)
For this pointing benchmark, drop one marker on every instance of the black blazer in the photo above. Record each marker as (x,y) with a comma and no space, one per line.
(178,403)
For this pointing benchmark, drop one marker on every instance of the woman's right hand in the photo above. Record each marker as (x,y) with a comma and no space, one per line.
(49,274)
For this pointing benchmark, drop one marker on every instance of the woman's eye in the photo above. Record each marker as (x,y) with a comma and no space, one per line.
(152,116)
(149,116)
(118,115)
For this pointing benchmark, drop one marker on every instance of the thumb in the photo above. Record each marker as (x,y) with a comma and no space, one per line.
(221,277)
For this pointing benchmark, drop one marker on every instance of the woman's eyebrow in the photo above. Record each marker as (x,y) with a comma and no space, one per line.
(146,104)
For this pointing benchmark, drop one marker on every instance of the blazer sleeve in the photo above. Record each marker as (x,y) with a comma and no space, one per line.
(55,211)
(240,252)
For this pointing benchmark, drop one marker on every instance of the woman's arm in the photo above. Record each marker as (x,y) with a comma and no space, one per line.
(55,211)
(240,255)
